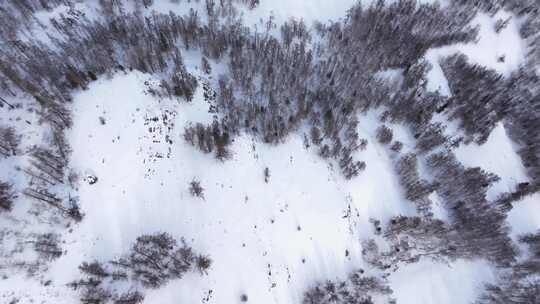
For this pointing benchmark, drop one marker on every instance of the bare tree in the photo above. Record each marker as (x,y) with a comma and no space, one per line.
(266,174)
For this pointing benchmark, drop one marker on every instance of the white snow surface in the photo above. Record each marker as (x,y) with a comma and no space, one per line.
(426,282)
(270,241)
(525,216)
(487,51)
(498,156)
(248,227)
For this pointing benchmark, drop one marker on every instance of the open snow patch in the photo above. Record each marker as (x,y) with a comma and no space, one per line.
(502,51)
(270,240)
(427,282)
(496,155)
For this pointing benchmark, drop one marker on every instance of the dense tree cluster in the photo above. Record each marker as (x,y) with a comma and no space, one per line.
(154,259)
(431,138)
(520,284)
(209,139)
(524,119)
(417,189)
(270,87)
(411,239)
(286,69)
(416,237)
(357,289)
(481,225)
(479,96)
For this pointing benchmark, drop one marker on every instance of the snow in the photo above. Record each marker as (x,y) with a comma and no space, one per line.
(497,156)
(309,11)
(27,291)
(525,216)
(487,51)
(306,211)
(427,282)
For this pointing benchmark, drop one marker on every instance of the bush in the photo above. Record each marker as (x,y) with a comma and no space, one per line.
(196,189)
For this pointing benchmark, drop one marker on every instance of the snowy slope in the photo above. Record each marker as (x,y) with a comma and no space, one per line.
(270,241)
(503,51)
(298,226)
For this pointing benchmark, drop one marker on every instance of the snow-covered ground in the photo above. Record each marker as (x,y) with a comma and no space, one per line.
(426,282)
(498,156)
(297,227)
(270,241)
(503,52)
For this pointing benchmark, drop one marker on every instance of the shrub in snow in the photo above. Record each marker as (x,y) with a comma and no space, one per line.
(363,144)
(196,189)
(500,24)
(396,146)
(203,263)
(266,175)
